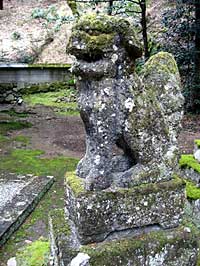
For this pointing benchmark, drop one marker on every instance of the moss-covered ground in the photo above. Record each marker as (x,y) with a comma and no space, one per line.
(24,160)
(62,101)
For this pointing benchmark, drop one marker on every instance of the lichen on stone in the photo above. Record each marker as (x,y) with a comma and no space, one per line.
(162,62)
(74,182)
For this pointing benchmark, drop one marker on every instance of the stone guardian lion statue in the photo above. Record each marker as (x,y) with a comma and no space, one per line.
(138,114)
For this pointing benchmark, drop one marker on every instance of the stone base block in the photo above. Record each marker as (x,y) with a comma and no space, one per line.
(173,247)
(19,195)
(98,214)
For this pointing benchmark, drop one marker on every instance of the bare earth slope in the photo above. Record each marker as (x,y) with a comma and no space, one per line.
(30,33)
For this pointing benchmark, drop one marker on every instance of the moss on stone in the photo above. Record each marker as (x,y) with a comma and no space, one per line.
(122,252)
(94,43)
(197,142)
(72,4)
(47,87)
(97,32)
(75,183)
(192,191)
(35,254)
(59,223)
(162,62)
(42,66)
(102,24)
(188,161)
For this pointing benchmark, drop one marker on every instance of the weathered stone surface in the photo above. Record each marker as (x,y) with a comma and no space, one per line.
(19,194)
(140,115)
(97,214)
(177,247)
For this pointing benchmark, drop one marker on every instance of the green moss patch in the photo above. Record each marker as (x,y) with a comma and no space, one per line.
(162,62)
(192,191)
(29,161)
(48,87)
(197,142)
(188,161)
(35,254)
(52,99)
(75,183)
(6,126)
(60,225)
(125,251)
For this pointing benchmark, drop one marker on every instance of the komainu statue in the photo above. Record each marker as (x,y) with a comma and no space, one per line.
(131,120)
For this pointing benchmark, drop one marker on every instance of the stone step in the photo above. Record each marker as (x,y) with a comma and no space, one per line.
(19,195)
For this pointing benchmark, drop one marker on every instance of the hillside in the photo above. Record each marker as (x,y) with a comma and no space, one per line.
(34,31)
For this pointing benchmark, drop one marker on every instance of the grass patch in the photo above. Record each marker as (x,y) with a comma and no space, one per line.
(29,161)
(14,113)
(35,254)
(3,139)
(52,99)
(6,126)
(22,139)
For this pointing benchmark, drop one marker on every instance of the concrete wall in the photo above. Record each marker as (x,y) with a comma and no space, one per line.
(15,77)
(33,75)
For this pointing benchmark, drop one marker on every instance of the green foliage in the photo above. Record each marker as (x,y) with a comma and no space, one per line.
(50,15)
(35,254)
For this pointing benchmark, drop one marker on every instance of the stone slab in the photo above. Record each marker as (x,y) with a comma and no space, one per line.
(173,247)
(19,195)
(100,213)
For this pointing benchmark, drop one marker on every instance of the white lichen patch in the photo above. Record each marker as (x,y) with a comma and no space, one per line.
(81,259)
(129,104)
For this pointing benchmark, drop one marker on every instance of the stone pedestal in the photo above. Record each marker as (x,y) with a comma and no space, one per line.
(173,247)
(117,227)
(98,214)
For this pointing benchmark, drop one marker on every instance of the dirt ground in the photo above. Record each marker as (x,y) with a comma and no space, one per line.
(65,135)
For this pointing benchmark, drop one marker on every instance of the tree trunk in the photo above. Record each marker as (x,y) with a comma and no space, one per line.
(195,95)
(110,7)
(144,28)
(1,4)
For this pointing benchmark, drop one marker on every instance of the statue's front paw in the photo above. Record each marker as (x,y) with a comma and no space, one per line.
(95,181)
